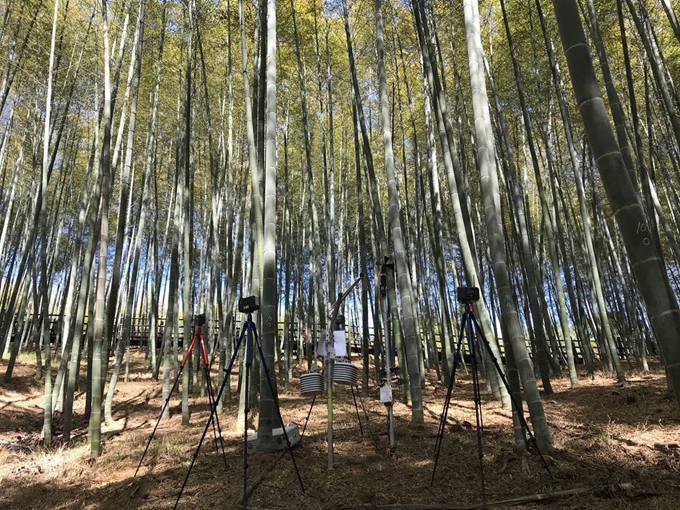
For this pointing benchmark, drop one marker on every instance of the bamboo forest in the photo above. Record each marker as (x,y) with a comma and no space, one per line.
(339,254)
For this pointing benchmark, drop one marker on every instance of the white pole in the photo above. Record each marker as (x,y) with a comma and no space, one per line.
(330,358)
(386,391)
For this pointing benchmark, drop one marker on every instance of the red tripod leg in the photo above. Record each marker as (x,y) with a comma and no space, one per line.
(191,348)
(211,399)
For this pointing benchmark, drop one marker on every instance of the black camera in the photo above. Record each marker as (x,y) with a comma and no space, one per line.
(249,304)
(199,320)
(466,294)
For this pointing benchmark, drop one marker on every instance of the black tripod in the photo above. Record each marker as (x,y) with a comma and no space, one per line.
(469,326)
(198,337)
(247,305)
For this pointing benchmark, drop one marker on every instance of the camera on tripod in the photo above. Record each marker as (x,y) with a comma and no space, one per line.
(249,304)
(199,320)
(467,294)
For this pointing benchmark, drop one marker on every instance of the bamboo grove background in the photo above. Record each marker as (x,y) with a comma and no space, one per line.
(161,159)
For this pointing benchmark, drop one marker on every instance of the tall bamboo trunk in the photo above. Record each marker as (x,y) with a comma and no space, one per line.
(256,197)
(47,422)
(412,338)
(652,280)
(124,338)
(94,430)
(491,199)
(268,417)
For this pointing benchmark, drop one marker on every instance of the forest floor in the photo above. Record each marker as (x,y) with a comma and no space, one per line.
(605,435)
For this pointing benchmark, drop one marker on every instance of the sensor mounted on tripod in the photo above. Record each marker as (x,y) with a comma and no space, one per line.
(467,294)
(249,304)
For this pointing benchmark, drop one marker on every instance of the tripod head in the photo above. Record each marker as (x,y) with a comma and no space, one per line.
(199,320)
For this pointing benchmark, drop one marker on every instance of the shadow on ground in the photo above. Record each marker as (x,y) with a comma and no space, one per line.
(599,432)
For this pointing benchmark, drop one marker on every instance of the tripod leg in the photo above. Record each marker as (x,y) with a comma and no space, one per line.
(213,403)
(210,403)
(302,434)
(211,399)
(165,404)
(368,422)
(356,407)
(278,410)
(478,407)
(167,400)
(515,404)
(246,381)
(213,411)
(445,410)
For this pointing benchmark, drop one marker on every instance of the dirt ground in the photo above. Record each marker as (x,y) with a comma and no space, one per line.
(604,435)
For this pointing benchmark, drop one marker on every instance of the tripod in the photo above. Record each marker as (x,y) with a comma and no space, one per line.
(469,326)
(198,337)
(251,330)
